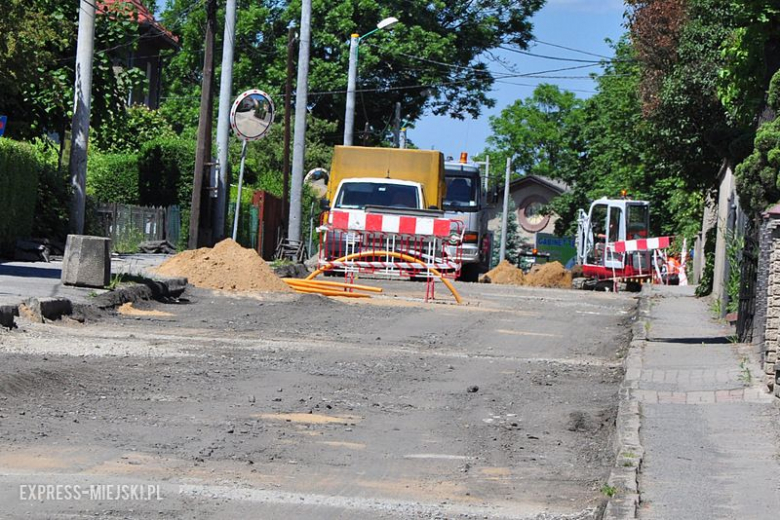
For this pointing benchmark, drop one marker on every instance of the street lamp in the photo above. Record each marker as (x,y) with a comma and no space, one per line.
(354,41)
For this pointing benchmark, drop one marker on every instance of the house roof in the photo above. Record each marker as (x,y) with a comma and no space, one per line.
(144,17)
(554,185)
(774,210)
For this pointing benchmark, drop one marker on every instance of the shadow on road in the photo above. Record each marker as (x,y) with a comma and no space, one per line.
(722,340)
(29,272)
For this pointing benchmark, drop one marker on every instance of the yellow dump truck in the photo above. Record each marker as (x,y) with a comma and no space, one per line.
(387,177)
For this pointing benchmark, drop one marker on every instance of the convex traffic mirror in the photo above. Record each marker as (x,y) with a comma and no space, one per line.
(251,115)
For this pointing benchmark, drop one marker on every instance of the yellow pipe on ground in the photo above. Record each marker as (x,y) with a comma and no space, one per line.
(299,281)
(327,292)
(393,254)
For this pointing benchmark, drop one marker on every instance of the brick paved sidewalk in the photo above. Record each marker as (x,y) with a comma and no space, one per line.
(708,428)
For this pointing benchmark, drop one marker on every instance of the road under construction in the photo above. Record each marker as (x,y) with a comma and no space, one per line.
(272,405)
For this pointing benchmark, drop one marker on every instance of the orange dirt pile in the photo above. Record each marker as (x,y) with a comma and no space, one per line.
(505,274)
(551,274)
(227,266)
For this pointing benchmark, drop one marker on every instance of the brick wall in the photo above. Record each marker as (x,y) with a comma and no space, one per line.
(768,296)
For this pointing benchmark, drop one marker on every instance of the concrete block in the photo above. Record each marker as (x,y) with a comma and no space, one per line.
(87,261)
(48,308)
(7,314)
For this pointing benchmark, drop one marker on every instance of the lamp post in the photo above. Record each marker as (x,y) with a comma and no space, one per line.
(354,42)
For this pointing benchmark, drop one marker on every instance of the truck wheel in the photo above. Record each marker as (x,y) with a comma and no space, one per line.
(469,273)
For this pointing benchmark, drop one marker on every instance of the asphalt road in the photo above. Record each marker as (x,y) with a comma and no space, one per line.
(287,406)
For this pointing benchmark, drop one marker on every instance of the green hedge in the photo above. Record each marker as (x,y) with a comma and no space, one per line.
(165,170)
(20,169)
(52,208)
(113,178)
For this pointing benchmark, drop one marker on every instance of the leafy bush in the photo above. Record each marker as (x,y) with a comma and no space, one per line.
(735,243)
(113,177)
(165,170)
(52,208)
(20,169)
(137,125)
(758,184)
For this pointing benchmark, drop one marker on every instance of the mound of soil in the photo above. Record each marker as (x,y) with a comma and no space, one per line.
(504,274)
(227,266)
(552,274)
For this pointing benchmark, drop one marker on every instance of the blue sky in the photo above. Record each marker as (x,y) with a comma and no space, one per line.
(578,24)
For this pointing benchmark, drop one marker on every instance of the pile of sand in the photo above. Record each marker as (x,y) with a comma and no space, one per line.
(551,274)
(543,275)
(505,274)
(227,266)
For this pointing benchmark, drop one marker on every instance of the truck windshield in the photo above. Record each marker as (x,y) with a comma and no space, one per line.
(358,195)
(461,193)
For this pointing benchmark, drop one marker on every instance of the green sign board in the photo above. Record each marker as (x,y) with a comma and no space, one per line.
(561,249)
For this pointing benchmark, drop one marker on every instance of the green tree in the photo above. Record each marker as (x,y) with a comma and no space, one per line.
(539,133)
(757,176)
(433,60)
(514,241)
(613,136)
(37,60)
(752,54)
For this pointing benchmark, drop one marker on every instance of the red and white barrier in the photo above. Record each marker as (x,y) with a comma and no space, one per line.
(641,244)
(425,239)
(394,224)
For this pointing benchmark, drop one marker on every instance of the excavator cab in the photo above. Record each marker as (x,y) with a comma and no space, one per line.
(609,221)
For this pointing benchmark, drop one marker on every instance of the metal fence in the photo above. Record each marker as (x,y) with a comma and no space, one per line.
(127,225)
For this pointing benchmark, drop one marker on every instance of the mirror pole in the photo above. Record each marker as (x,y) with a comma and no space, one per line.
(240,184)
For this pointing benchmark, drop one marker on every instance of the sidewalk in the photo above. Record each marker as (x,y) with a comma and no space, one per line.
(21,280)
(708,428)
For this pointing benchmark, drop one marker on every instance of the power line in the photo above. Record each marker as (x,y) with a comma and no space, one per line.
(571,49)
(496,76)
(557,58)
(449,83)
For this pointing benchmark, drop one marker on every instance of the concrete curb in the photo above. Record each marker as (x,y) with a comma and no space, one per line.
(41,309)
(139,288)
(623,478)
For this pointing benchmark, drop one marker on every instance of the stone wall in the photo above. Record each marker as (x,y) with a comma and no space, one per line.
(762,280)
(768,296)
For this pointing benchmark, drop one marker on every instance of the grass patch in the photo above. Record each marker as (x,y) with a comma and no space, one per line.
(608,490)
(745,375)
(116,281)
(281,262)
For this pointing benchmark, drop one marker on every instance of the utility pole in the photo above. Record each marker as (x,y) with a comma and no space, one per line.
(299,141)
(397,126)
(203,149)
(504,219)
(287,116)
(223,120)
(81,109)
